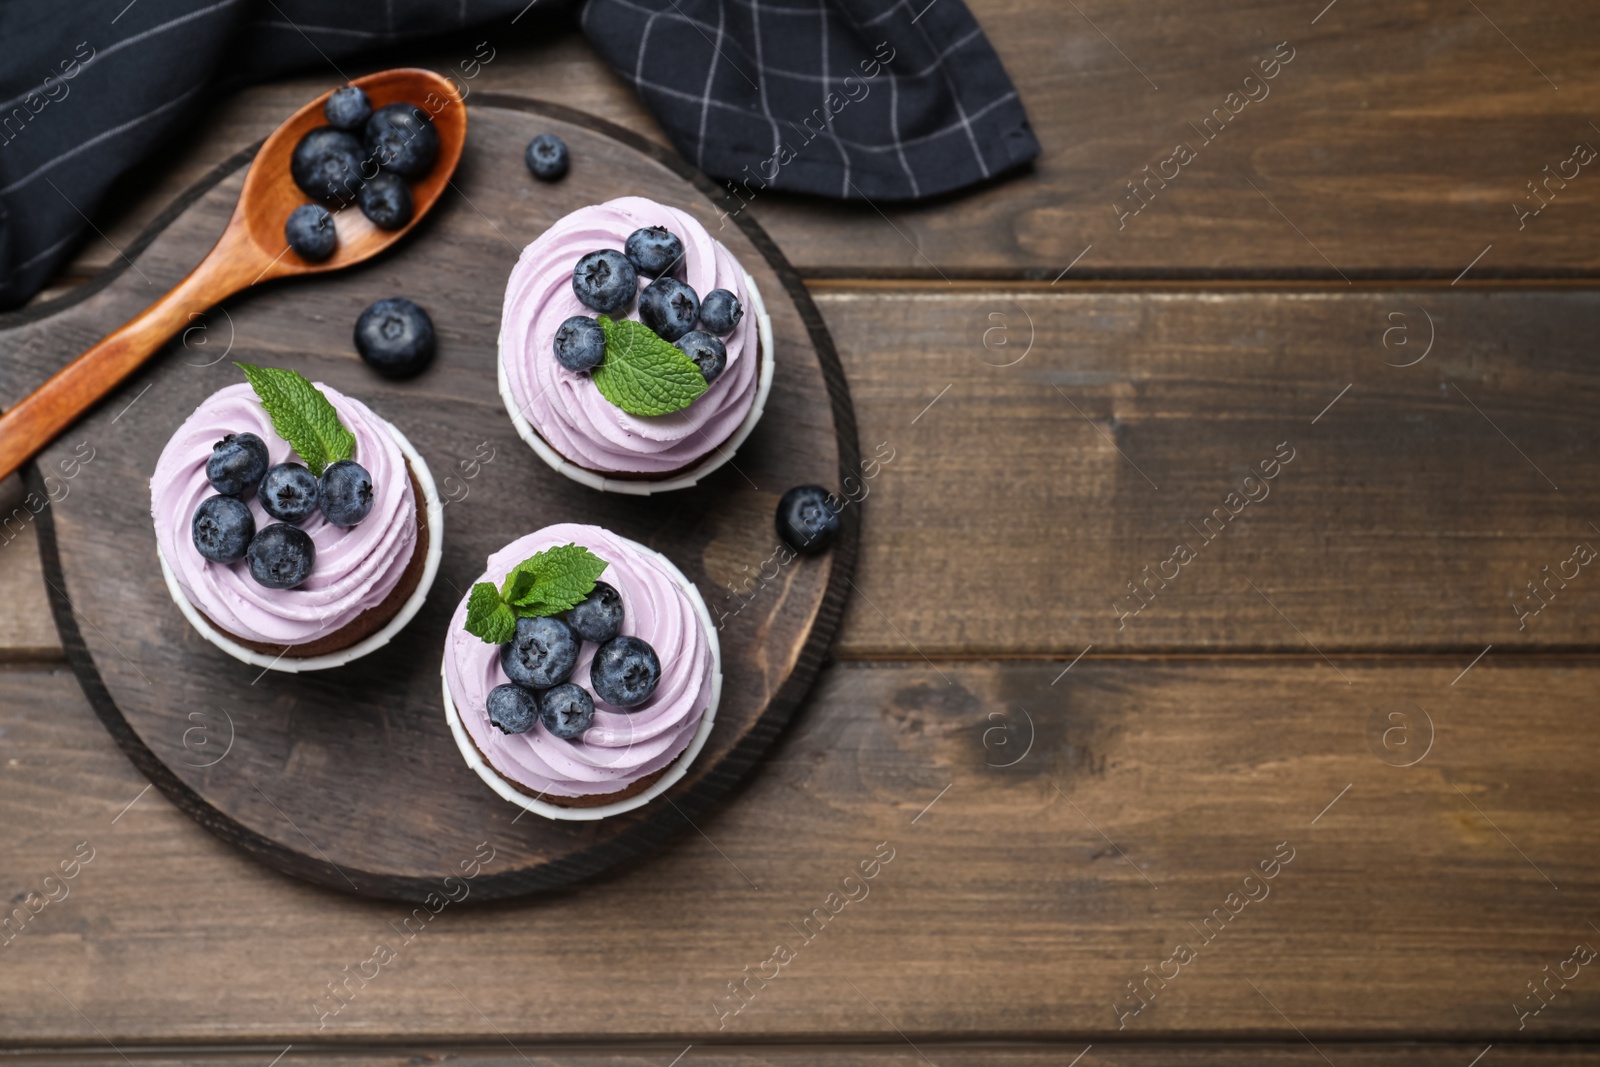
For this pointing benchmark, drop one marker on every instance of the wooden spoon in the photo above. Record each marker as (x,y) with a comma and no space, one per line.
(251,250)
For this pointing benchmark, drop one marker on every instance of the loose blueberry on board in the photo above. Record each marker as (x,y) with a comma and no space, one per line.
(289,493)
(720,312)
(344,493)
(513,709)
(237,463)
(580,344)
(625,672)
(808,519)
(281,556)
(222,528)
(310,233)
(402,138)
(395,337)
(566,710)
(606,281)
(326,164)
(386,200)
(669,307)
(654,250)
(347,108)
(547,157)
(599,618)
(708,353)
(542,653)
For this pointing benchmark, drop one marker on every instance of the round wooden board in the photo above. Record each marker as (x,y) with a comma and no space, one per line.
(349,777)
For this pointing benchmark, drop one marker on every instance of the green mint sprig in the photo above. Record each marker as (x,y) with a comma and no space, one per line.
(644,375)
(546,583)
(301,415)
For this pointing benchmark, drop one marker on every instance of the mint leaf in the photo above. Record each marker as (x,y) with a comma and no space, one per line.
(301,415)
(552,581)
(487,615)
(644,375)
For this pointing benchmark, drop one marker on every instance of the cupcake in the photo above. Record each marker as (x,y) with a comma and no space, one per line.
(299,556)
(635,352)
(581,673)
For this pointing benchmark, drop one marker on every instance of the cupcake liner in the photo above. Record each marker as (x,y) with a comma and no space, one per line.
(286,661)
(669,776)
(643,485)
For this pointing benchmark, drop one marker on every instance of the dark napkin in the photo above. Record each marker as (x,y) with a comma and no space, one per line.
(842,98)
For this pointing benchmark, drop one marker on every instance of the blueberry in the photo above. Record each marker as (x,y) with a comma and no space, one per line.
(310,233)
(625,672)
(708,353)
(720,312)
(395,337)
(289,492)
(222,528)
(281,556)
(669,307)
(547,157)
(347,108)
(580,344)
(654,250)
(605,281)
(326,164)
(808,519)
(599,618)
(386,200)
(401,138)
(237,463)
(566,711)
(344,493)
(542,653)
(513,709)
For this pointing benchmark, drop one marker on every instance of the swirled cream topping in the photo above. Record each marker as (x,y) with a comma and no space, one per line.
(356,567)
(565,407)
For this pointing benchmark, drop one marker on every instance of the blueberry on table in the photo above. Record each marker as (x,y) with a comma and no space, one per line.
(386,200)
(326,164)
(347,108)
(669,307)
(344,493)
(310,233)
(541,654)
(402,139)
(222,528)
(513,709)
(566,710)
(598,618)
(237,463)
(720,312)
(625,672)
(580,344)
(395,337)
(606,281)
(808,519)
(654,250)
(547,157)
(288,492)
(708,353)
(281,556)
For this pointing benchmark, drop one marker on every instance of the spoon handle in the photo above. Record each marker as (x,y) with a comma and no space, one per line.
(33,422)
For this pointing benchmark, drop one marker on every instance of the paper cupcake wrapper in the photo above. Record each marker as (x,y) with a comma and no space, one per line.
(669,777)
(287,661)
(643,486)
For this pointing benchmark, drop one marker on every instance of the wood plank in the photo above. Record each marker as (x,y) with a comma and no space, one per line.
(26,629)
(1416,904)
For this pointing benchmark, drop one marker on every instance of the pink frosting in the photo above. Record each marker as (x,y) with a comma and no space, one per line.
(566,408)
(623,745)
(356,567)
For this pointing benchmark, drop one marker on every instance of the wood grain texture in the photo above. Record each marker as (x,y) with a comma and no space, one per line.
(1412,908)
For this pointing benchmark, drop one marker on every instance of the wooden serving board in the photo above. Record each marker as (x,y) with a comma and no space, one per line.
(349,777)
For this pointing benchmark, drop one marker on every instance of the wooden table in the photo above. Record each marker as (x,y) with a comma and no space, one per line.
(1101,675)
